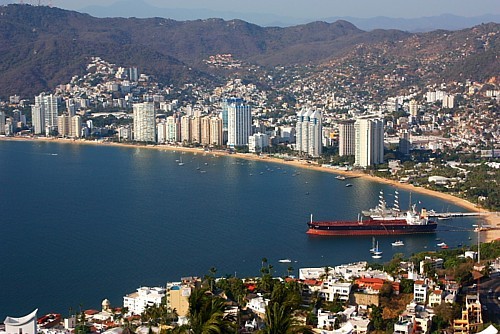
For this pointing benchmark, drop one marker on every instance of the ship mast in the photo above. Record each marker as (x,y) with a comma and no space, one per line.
(396,201)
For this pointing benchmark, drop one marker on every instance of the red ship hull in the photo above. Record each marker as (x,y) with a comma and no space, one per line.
(369,227)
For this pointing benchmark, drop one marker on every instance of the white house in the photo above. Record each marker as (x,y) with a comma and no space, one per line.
(258,305)
(136,302)
(331,289)
(420,292)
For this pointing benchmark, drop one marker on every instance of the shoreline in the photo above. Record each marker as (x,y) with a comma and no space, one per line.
(491,218)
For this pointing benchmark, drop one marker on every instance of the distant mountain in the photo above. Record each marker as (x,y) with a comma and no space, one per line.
(42,47)
(421,24)
(141,9)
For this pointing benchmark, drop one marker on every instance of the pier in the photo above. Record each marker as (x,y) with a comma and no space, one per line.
(453,214)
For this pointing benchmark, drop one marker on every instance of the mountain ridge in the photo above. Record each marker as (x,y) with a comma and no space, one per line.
(47,46)
(142,9)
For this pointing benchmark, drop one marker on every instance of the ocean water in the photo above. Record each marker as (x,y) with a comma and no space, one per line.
(81,223)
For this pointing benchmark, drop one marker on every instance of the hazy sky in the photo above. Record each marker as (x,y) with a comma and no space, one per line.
(319,8)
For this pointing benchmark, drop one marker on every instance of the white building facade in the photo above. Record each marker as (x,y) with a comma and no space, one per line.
(239,124)
(137,302)
(309,130)
(144,122)
(22,325)
(369,132)
(257,142)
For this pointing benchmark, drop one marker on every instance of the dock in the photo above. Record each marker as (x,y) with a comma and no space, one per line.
(453,214)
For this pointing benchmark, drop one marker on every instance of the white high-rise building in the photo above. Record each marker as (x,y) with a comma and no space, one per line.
(38,119)
(347,138)
(239,124)
(44,114)
(173,130)
(144,122)
(309,130)
(413,108)
(257,142)
(51,111)
(76,126)
(369,131)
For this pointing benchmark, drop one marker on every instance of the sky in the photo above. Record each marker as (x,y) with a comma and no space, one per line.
(317,8)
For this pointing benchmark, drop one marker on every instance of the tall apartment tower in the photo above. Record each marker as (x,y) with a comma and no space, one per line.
(76,126)
(369,132)
(309,130)
(63,125)
(144,122)
(2,123)
(404,142)
(44,114)
(225,107)
(239,123)
(195,130)
(133,74)
(413,108)
(205,130)
(185,129)
(216,132)
(347,137)
(173,129)
(51,111)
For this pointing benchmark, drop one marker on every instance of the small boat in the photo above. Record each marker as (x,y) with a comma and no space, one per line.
(445,246)
(376,254)
(441,244)
(340,177)
(49,320)
(348,185)
(398,243)
(284,261)
(180,162)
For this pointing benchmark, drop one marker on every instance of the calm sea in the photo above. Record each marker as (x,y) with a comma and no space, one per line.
(81,223)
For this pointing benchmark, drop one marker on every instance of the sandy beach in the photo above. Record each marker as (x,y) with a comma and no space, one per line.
(490,218)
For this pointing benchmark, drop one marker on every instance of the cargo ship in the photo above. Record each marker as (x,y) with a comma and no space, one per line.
(380,220)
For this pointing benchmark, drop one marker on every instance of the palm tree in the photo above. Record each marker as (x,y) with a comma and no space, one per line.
(206,314)
(326,273)
(211,277)
(279,320)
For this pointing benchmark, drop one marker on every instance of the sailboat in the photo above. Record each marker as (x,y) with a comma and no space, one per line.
(377,254)
(180,162)
(373,246)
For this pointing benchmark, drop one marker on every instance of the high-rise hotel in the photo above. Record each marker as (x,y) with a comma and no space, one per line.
(44,114)
(309,129)
(239,123)
(369,132)
(347,138)
(144,122)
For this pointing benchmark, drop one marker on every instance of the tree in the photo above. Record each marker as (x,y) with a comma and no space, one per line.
(377,321)
(278,320)
(206,314)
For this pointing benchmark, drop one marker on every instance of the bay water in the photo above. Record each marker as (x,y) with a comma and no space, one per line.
(80,223)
